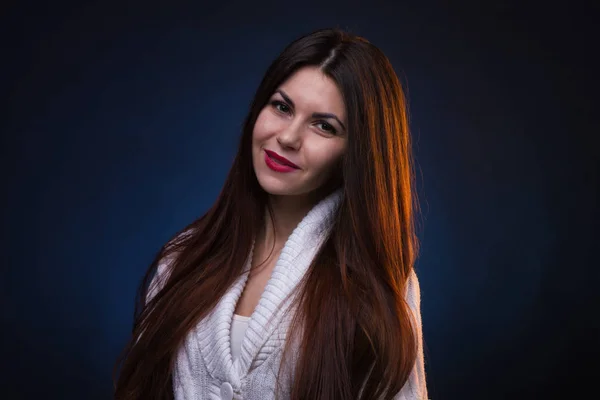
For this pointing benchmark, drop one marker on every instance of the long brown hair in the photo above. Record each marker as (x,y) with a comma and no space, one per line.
(358,338)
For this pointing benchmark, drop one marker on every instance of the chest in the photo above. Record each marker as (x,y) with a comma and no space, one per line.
(255,285)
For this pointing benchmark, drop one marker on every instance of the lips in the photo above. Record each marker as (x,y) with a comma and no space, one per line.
(281,159)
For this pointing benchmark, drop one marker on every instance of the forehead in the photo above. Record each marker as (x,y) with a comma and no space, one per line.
(311,89)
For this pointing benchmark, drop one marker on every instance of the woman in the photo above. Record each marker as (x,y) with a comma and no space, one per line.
(299,282)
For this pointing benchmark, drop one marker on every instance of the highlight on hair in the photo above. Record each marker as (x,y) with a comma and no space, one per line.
(352,334)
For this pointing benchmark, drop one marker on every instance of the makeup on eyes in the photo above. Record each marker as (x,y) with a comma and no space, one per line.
(290,104)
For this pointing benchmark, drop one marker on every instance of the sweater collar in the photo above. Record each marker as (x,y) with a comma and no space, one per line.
(212,335)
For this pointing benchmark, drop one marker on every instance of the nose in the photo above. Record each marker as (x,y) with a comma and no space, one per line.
(290,137)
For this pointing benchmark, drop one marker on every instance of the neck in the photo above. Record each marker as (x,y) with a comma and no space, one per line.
(288,211)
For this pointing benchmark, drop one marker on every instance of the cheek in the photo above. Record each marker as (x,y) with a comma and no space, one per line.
(264,126)
(258,130)
(325,156)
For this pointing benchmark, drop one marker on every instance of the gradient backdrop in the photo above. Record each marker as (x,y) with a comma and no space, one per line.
(122,122)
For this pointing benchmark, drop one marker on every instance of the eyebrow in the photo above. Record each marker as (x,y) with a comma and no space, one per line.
(314,115)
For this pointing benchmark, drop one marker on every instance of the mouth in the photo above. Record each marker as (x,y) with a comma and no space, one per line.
(280,160)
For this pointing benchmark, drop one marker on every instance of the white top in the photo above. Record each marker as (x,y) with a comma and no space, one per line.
(205,368)
(238,330)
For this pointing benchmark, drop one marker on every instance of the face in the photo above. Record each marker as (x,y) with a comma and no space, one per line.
(304,121)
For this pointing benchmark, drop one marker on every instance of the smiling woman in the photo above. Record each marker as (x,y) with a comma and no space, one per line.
(299,282)
(302,123)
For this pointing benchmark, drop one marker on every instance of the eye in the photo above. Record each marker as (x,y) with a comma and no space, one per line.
(327,127)
(281,106)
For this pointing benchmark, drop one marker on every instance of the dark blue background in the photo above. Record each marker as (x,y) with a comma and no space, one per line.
(122,122)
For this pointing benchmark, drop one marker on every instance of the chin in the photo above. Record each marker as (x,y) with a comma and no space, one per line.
(276,190)
(280,188)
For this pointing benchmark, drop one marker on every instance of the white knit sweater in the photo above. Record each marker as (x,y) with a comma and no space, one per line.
(204,367)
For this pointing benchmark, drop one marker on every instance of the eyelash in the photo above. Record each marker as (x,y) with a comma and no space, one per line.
(277,103)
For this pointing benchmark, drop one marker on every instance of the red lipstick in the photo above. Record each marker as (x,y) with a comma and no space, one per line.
(278,163)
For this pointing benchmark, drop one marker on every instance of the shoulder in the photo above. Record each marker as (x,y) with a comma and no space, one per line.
(164,267)
(413,298)
(413,289)
(163,271)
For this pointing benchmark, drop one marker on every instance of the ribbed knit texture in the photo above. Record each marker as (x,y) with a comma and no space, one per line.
(204,363)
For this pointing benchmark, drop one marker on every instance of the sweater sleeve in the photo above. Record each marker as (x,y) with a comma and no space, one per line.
(416,386)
